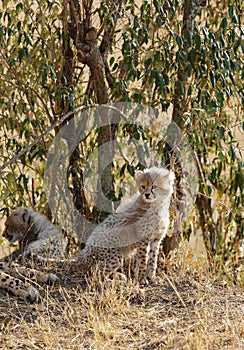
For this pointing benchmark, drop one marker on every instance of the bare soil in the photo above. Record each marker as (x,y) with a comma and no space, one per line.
(189,308)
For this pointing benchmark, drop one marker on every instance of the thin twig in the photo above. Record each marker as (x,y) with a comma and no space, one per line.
(175,290)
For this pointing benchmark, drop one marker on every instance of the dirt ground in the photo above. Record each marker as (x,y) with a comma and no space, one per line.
(189,308)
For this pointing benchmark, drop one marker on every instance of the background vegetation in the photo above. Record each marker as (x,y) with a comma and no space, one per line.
(56,56)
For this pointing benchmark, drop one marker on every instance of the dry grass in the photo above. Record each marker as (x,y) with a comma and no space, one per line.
(188,309)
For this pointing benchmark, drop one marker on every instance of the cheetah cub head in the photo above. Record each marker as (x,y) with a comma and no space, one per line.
(16,225)
(155,184)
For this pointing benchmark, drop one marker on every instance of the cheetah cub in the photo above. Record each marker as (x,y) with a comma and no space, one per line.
(38,238)
(136,229)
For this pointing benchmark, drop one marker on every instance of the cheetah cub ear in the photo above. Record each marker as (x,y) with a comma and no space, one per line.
(25,216)
(138,176)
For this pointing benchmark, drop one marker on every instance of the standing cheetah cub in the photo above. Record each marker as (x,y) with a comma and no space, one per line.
(137,228)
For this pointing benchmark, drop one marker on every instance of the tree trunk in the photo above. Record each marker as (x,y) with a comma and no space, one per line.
(64,104)
(178,203)
(90,54)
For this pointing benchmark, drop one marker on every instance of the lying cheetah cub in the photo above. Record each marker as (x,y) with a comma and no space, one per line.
(36,235)
(37,238)
(137,228)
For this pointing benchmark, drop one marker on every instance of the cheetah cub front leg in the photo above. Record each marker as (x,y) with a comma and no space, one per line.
(147,257)
(154,246)
(19,288)
(142,261)
(9,279)
(153,259)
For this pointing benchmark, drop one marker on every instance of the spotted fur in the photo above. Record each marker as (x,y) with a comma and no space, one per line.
(15,278)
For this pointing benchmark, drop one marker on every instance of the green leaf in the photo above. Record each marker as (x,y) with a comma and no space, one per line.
(231,10)
(111,61)
(189,37)
(240,181)
(180,87)
(211,107)
(189,69)
(221,130)
(221,156)
(220,166)
(232,153)
(22,53)
(19,6)
(209,190)
(131,169)
(224,23)
(18,25)
(233,65)
(205,32)
(53,74)
(192,56)
(122,170)
(232,78)
(158,7)
(198,41)
(212,78)
(147,62)
(199,95)
(189,90)
(157,56)
(179,41)
(240,166)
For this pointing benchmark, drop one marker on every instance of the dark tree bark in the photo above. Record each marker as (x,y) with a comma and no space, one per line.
(89,53)
(63,105)
(178,203)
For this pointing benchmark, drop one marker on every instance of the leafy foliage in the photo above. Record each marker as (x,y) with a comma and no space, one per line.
(146,52)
